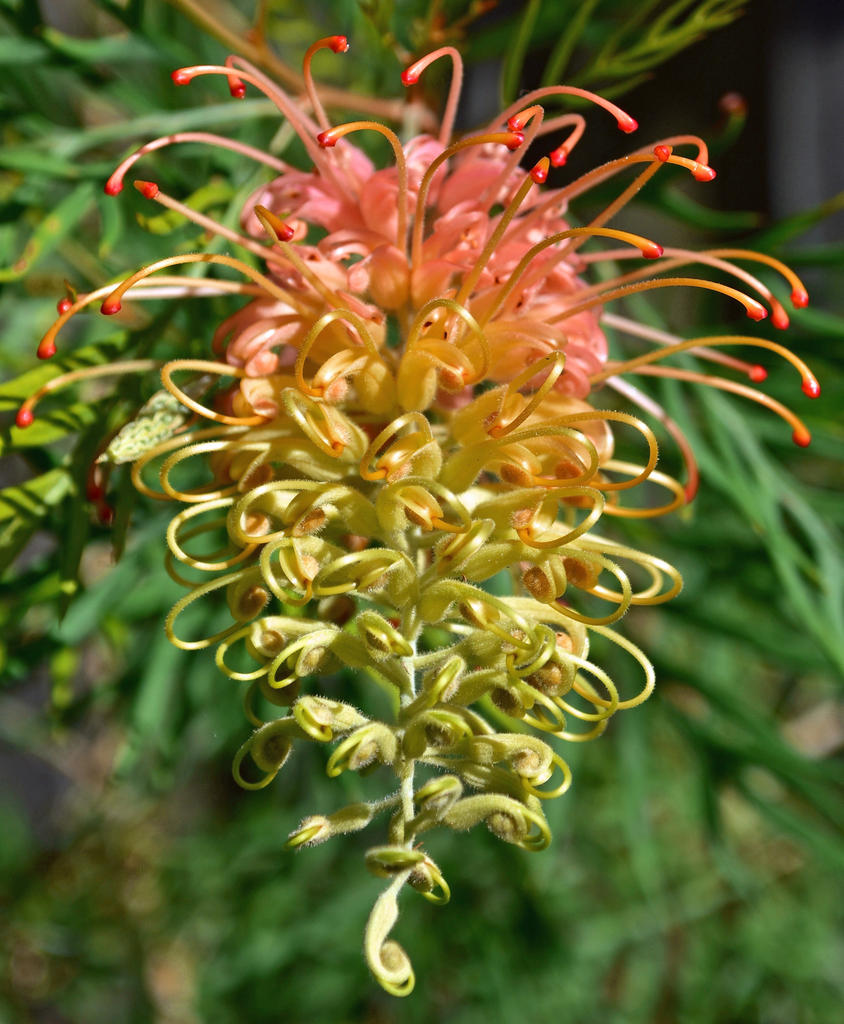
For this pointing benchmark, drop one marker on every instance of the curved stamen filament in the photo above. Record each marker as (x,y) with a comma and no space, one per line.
(535,127)
(410,76)
(809,381)
(423,316)
(625,122)
(26,412)
(559,155)
(682,140)
(280,234)
(755,310)
(246,72)
(164,287)
(150,190)
(338,44)
(512,140)
(555,362)
(313,334)
(596,177)
(329,138)
(654,409)
(206,366)
(754,371)
(112,304)
(799,295)
(419,425)
(800,432)
(114,185)
(538,174)
(648,248)
(683,257)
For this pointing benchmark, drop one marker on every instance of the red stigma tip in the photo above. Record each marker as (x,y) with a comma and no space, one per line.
(690,492)
(105,513)
(757,374)
(113,187)
(515,123)
(559,156)
(181,76)
(46,351)
(756,311)
(652,251)
(63,305)
(94,492)
(237,89)
(24,418)
(800,298)
(811,387)
(627,124)
(802,438)
(703,172)
(409,76)
(148,189)
(662,153)
(110,307)
(339,44)
(516,141)
(326,140)
(779,317)
(540,172)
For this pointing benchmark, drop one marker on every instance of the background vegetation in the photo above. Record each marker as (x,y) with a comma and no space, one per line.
(698,857)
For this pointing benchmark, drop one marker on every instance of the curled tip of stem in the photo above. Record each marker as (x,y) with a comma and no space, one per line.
(559,156)
(757,374)
(652,251)
(627,123)
(272,221)
(800,298)
(811,387)
(703,172)
(110,307)
(46,351)
(114,185)
(63,305)
(539,173)
(327,139)
(516,140)
(755,310)
(148,189)
(339,44)
(779,317)
(181,76)
(662,153)
(24,417)
(802,437)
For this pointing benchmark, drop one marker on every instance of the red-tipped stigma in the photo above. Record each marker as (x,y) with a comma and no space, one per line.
(148,189)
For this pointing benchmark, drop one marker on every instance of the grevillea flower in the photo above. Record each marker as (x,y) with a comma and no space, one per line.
(405,406)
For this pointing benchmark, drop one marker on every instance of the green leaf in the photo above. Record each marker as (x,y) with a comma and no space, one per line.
(52,229)
(24,506)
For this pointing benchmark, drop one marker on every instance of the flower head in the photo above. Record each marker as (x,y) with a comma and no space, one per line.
(408,408)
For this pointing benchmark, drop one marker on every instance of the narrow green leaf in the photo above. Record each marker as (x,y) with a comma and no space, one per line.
(562,52)
(52,229)
(515,56)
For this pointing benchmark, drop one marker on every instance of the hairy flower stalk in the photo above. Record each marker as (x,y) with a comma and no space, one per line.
(400,411)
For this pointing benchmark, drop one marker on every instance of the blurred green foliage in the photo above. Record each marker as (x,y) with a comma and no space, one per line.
(696,860)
